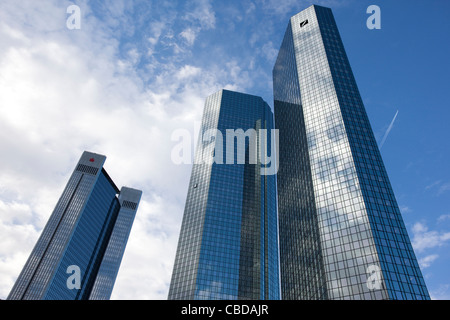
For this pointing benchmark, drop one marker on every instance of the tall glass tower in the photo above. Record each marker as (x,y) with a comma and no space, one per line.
(85,236)
(340,229)
(228,245)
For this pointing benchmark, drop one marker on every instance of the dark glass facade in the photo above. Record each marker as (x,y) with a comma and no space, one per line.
(228,246)
(341,232)
(108,265)
(89,221)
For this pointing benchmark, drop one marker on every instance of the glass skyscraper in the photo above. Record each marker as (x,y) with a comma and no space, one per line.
(340,229)
(228,245)
(87,231)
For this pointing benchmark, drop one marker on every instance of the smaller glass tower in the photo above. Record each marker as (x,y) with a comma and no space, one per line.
(86,233)
(228,245)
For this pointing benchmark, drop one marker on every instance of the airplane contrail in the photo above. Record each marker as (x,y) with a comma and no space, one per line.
(388,130)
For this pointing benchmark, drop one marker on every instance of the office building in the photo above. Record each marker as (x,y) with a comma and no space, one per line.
(78,253)
(341,232)
(228,246)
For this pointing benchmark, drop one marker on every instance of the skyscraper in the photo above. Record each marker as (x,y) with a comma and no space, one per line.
(228,246)
(85,236)
(341,232)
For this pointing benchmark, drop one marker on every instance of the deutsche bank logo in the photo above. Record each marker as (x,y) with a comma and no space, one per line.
(304,23)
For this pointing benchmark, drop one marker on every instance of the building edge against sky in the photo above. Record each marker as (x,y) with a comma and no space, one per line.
(87,231)
(227,247)
(341,232)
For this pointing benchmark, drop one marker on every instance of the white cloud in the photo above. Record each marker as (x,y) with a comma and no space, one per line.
(188,72)
(200,16)
(251,8)
(432,185)
(426,261)
(424,239)
(405,209)
(443,217)
(443,188)
(441,293)
(269,51)
(65,91)
(189,35)
(147,264)
(440,186)
(15,212)
(201,12)
(156,29)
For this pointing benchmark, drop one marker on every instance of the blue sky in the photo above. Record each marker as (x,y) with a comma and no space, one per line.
(137,71)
